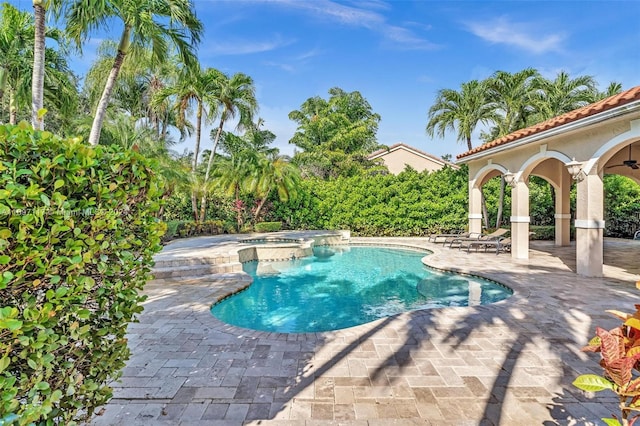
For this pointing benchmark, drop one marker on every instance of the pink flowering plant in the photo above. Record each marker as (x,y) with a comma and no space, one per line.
(620,356)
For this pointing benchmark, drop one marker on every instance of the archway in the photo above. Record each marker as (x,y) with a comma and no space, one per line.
(580,146)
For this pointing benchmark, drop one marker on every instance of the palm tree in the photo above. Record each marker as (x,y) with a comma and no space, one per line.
(273,172)
(40,8)
(232,176)
(160,23)
(37,78)
(16,48)
(16,39)
(564,94)
(16,36)
(123,130)
(463,111)
(460,111)
(193,88)
(254,138)
(512,97)
(612,89)
(139,81)
(234,96)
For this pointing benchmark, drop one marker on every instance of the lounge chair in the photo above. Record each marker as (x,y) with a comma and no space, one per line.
(464,242)
(468,236)
(433,238)
(456,241)
(500,244)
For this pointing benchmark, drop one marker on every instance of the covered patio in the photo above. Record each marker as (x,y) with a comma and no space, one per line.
(580,146)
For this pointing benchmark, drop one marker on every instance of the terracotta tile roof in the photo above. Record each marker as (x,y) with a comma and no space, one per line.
(611,102)
(393,147)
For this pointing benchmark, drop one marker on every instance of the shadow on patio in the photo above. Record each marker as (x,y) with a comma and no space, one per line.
(495,364)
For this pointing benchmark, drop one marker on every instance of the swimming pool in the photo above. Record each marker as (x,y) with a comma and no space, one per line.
(343,286)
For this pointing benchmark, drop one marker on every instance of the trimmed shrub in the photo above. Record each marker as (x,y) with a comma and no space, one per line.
(268,226)
(77,236)
(173,226)
(547,232)
(193,229)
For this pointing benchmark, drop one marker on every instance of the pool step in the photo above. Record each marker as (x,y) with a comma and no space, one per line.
(164,270)
(195,261)
(239,277)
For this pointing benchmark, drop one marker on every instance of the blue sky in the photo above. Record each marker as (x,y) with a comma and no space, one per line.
(398,54)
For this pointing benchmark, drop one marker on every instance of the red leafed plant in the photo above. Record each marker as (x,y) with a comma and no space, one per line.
(620,350)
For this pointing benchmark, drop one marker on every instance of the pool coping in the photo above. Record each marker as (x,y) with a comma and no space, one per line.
(246,283)
(490,364)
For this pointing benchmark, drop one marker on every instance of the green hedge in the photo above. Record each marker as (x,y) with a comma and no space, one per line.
(409,204)
(189,228)
(547,232)
(77,236)
(268,226)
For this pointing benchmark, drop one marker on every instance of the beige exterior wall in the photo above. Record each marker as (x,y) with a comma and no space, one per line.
(396,159)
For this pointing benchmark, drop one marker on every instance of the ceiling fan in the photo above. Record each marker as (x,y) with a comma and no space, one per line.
(629,163)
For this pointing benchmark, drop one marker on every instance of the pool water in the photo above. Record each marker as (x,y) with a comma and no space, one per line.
(339,287)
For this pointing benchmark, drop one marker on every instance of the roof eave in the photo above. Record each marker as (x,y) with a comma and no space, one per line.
(563,128)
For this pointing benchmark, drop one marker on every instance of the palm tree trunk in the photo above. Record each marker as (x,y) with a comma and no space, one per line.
(203,202)
(238,211)
(500,203)
(260,205)
(194,166)
(3,81)
(198,133)
(37,79)
(485,212)
(469,144)
(13,111)
(155,122)
(165,125)
(164,198)
(101,111)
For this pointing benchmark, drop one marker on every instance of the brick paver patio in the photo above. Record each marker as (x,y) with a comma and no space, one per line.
(510,363)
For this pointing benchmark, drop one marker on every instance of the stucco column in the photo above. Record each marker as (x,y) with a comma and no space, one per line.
(520,221)
(475,208)
(590,226)
(563,212)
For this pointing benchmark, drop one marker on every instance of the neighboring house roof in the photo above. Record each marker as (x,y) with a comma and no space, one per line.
(404,147)
(607,104)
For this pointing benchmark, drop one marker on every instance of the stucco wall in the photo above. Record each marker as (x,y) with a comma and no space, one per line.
(398,159)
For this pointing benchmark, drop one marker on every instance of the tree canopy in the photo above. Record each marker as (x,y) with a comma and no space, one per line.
(335,135)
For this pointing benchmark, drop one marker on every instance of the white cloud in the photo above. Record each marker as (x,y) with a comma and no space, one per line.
(281,65)
(244,47)
(344,14)
(407,40)
(309,54)
(525,36)
(298,60)
(362,15)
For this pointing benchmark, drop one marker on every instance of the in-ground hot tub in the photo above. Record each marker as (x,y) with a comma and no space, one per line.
(272,248)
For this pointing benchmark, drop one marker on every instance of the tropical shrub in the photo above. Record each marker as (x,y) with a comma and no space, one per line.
(547,232)
(178,207)
(620,356)
(268,226)
(192,229)
(172,229)
(409,204)
(622,206)
(77,236)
